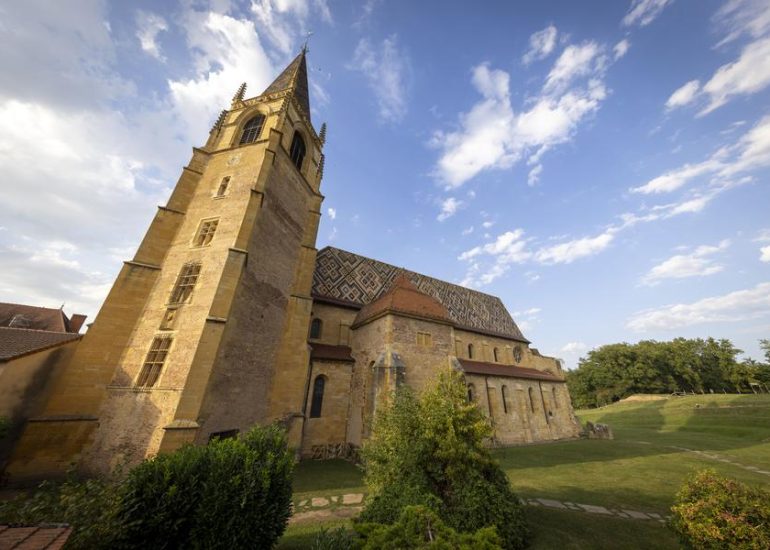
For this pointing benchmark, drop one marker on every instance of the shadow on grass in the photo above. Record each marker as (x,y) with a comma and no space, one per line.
(326,476)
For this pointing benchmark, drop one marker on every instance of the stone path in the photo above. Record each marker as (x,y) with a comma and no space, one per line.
(712,456)
(346,506)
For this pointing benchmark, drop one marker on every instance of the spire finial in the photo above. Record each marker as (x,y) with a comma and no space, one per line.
(240,93)
(322,134)
(305,49)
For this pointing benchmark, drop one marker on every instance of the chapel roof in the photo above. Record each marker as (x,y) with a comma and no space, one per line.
(346,278)
(295,75)
(17,342)
(403,297)
(509,371)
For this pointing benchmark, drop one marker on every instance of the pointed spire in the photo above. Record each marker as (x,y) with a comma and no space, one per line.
(220,120)
(240,93)
(322,134)
(294,77)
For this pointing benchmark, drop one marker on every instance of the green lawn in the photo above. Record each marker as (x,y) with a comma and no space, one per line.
(638,470)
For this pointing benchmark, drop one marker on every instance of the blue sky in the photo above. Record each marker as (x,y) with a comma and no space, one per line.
(601,166)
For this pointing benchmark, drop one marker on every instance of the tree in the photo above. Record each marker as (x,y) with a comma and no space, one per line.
(429,451)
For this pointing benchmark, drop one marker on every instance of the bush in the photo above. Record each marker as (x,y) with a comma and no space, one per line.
(419,527)
(712,512)
(90,507)
(337,539)
(429,452)
(233,493)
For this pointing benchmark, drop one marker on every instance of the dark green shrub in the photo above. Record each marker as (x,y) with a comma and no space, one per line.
(712,512)
(420,527)
(429,452)
(233,493)
(90,507)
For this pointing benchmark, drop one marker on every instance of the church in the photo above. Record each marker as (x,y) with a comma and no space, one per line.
(228,316)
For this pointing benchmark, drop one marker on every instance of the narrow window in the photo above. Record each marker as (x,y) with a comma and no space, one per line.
(531,400)
(517,354)
(206,232)
(222,189)
(318,396)
(185,283)
(315,328)
(252,129)
(494,351)
(297,150)
(504,391)
(153,363)
(555,401)
(470,351)
(471,393)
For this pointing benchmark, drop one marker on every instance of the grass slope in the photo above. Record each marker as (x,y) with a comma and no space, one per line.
(640,470)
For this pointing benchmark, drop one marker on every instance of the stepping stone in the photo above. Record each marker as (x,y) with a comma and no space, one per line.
(319,502)
(636,515)
(302,503)
(335,499)
(595,509)
(551,503)
(352,498)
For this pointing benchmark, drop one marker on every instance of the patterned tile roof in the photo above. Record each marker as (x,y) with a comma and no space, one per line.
(342,276)
(16,342)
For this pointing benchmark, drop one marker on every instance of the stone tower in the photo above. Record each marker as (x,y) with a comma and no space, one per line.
(204,332)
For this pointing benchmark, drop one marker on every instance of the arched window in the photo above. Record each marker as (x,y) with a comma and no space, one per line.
(297,150)
(318,396)
(555,401)
(471,393)
(494,351)
(252,129)
(504,391)
(315,328)
(531,400)
(470,351)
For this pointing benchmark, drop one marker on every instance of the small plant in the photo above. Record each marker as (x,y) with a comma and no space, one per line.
(712,512)
(429,451)
(337,539)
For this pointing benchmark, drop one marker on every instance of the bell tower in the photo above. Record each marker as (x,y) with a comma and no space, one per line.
(204,332)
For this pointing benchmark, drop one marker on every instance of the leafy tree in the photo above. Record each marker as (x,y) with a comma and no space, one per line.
(429,451)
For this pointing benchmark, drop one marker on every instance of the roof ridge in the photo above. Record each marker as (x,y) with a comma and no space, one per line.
(41,330)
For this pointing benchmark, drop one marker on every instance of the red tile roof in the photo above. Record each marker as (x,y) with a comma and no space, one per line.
(510,371)
(34,538)
(404,297)
(38,318)
(17,342)
(331,353)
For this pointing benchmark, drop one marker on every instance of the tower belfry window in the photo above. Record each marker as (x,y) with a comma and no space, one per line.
(154,361)
(185,283)
(252,129)
(297,150)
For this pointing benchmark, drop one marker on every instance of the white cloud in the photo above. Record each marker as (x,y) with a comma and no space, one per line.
(282,21)
(568,252)
(541,44)
(492,136)
(449,208)
(621,48)
(531,312)
(149,25)
(387,71)
(468,230)
(574,347)
(737,17)
(750,152)
(683,95)
(763,236)
(739,305)
(575,61)
(644,12)
(332,213)
(698,263)
(534,175)
(764,254)
(487,224)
